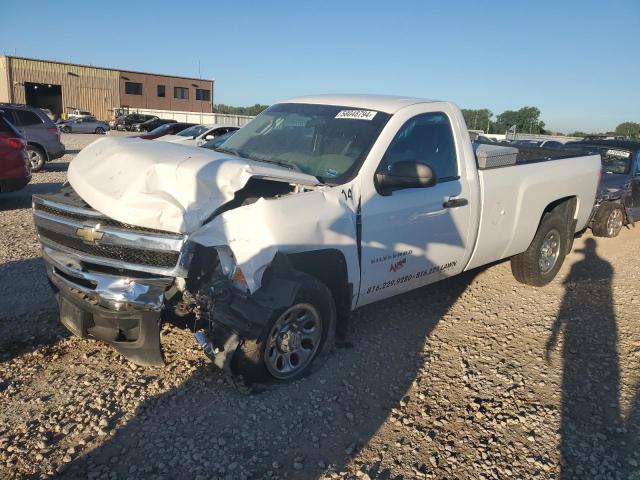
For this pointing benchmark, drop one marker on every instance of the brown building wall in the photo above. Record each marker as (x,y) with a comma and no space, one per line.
(98,90)
(149,96)
(83,87)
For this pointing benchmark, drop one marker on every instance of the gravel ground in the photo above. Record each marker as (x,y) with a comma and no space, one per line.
(475,377)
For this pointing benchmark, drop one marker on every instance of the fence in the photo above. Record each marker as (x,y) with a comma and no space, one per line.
(196,117)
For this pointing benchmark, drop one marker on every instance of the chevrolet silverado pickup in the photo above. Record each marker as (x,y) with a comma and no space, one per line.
(320,205)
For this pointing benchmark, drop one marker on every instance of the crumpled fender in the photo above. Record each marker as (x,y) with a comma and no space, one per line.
(303,222)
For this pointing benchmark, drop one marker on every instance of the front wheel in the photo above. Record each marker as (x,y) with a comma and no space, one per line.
(66,130)
(296,336)
(610,219)
(100,131)
(540,263)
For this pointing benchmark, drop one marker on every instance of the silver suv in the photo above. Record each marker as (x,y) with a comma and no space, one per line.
(41,134)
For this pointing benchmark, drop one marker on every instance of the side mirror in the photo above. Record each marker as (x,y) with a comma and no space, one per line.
(405,174)
(210,136)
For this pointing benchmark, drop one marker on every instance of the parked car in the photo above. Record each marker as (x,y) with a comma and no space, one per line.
(526,143)
(618,198)
(150,124)
(551,144)
(79,113)
(41,134)
(15,170)
(166,129)
(125,122)
(199,134)
(84,125)
(317,207)
(218,141)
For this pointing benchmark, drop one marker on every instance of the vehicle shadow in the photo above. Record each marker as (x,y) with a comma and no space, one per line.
(28,310)
(58,166)
(596,440)
(22,198)
(300,428)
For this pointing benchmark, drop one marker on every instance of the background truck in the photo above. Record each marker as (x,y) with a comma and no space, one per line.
(319,206)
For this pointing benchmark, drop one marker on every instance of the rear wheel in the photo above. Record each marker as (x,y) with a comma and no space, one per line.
(66,129)
(297,335)
(36,157)
(610,219)
(539,263)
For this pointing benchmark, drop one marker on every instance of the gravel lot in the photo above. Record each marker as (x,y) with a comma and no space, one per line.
(475,377)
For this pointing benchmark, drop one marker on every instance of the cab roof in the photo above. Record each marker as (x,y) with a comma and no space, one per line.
(381,103)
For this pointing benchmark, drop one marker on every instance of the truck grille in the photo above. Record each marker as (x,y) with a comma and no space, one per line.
(151,258)
(63,222)
(103,220)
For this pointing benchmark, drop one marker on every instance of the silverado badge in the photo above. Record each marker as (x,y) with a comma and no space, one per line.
(89,234)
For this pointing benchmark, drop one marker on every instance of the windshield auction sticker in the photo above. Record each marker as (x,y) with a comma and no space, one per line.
(356,114)
(619,153)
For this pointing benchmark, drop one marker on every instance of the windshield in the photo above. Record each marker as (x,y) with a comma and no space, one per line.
(616,161)
(328,142)
(161,128)
(193,131)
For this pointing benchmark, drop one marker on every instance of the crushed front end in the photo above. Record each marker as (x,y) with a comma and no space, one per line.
(111,279)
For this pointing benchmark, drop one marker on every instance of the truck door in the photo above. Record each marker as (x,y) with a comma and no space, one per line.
(416,236)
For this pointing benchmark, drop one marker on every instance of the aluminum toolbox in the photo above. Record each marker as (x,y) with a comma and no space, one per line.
(492,156)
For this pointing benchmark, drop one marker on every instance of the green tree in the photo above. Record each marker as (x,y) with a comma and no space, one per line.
(252,111)
(628,129)
(526,120)
(479,119)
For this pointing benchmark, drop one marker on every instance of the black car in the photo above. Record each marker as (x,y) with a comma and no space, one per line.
(125,122)
(166,129)
(618,198)
(150,124)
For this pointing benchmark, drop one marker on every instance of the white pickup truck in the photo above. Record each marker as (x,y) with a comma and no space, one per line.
(320,205)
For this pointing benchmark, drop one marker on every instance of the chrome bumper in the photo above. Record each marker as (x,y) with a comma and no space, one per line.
(116,293)
(121,311)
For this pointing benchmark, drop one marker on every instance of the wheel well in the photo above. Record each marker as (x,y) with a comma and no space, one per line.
(330,267)
(41,148)
(566,207)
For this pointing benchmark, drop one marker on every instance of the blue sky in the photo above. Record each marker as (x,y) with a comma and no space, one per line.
(578,61)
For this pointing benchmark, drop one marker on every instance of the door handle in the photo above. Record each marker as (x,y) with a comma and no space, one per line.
(455,202)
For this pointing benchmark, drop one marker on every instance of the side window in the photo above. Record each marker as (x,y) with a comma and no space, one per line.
(428,139)
(26,119)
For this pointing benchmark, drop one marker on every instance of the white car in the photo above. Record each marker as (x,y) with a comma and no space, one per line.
(198,134)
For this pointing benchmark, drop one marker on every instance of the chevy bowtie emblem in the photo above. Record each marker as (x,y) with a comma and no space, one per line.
(89,234)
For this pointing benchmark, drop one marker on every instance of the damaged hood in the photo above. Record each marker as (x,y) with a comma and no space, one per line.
(164,186)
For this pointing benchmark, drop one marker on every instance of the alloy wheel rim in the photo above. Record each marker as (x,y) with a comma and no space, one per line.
(34,158)
(614,222)
(549,251)
(293,341)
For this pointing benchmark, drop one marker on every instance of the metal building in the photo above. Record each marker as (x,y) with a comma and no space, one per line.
(65,87)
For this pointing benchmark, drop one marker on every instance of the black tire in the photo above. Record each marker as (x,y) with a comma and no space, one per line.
(609,220)
(249,363)
(37,157)
(531,266)
(100,131)
(66,129)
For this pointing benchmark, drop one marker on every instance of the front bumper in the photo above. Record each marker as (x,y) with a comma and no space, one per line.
(123,312)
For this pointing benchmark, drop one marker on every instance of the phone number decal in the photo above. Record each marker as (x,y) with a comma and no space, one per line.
(408,278)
